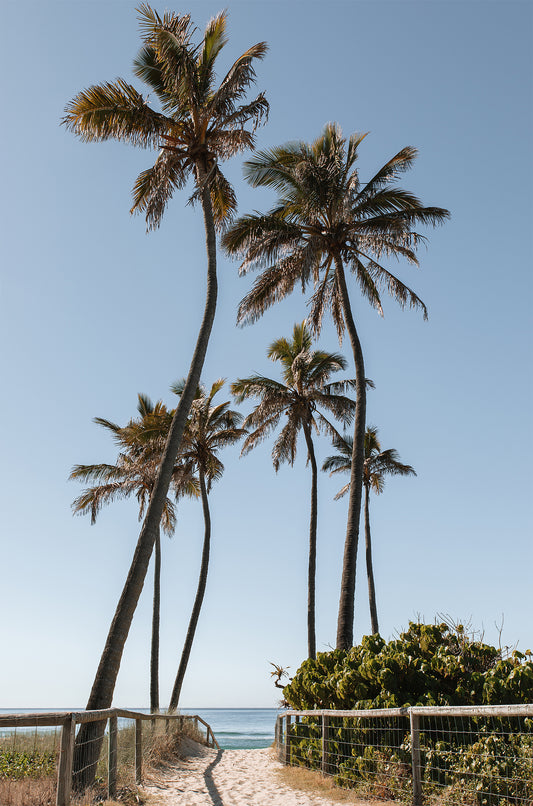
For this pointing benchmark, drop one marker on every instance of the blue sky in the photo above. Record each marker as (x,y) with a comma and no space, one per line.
(93,310)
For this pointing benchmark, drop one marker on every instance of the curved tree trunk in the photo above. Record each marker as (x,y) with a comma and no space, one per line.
(311,577)
(347,595)
(176,691)
(369,569)
(89,738)
(154,654)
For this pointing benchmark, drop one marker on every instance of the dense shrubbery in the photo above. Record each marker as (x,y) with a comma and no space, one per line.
(429,664)
(21,764)
(426,665)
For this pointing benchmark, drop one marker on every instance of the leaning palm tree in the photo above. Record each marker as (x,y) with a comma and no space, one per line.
(141,445)
(196,126)
(304,390)
(377,465)
(327,220)
(209,429)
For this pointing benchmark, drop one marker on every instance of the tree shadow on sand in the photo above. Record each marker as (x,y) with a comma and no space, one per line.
(214,794)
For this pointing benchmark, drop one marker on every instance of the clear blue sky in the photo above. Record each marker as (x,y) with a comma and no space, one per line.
(93,310)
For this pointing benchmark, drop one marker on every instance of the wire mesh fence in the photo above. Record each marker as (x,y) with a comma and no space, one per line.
(450,756)
(60,759)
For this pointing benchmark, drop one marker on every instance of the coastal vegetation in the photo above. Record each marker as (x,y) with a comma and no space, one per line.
(427,665)
(197,126)
(325,226)
(29,764)
(141,445)
(210,428)
(298,398)
(376,466)
(327,221)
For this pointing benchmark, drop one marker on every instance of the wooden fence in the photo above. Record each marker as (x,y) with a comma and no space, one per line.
(68,721)
(305,738)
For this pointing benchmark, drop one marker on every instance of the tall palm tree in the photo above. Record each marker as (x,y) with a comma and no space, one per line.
(197,125)
(377,465)
(304,390)
(326,221)
(141,444)
(209,429)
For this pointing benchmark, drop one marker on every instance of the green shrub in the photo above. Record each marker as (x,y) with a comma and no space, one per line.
(429,664)
(16,764)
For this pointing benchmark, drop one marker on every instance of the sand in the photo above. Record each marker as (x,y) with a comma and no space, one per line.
(206,777)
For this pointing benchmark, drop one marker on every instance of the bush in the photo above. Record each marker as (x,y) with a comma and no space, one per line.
(429,664)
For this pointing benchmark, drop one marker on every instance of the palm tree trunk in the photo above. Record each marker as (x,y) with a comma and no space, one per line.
(369,569)
(176,691)
(347,595)
(311,577)
(154,654)
(89,739)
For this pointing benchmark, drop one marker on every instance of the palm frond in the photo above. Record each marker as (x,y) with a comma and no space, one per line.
(110,426)
(154,187)
(114,110)
(275,167)
(277,282)
(366,282)
(96,473)
(284,449)
(214,40)
(400,163)
(255,112)
(236,81)
(396,288)
(146,66)
(222,197)
(151,23)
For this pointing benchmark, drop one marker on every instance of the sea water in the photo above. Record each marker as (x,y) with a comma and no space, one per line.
(234,728)
(239,728)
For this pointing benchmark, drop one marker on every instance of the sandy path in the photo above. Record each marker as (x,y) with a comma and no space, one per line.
(227,778)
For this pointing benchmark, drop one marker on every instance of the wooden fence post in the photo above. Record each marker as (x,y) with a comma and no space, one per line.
(415,758)
(64,773)
(112,758)
(287,759)
(325,743)
(139,751)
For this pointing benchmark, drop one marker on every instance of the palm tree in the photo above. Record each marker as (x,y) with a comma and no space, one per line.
(210,428)
(377,465)
(201,125)
(304,390)
(327,220)
(141,445)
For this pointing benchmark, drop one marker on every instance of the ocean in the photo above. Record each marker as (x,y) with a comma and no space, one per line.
(234,728)
(239,728)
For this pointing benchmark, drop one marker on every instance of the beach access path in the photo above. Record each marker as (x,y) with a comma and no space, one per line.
(208,777)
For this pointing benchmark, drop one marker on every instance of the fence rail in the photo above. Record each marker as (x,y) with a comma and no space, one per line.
(447,755)
(16,765)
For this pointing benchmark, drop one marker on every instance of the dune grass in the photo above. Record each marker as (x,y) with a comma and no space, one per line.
(314,783)
(29,759)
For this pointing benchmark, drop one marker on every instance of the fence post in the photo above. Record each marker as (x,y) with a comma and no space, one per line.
(64,773)
(139,751)
(415,758)
(112,758)
(325,743)
(287,759)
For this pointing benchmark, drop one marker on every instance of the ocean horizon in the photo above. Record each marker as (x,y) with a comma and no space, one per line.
(234,728)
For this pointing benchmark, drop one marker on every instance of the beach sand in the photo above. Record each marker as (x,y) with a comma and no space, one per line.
(206,777)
